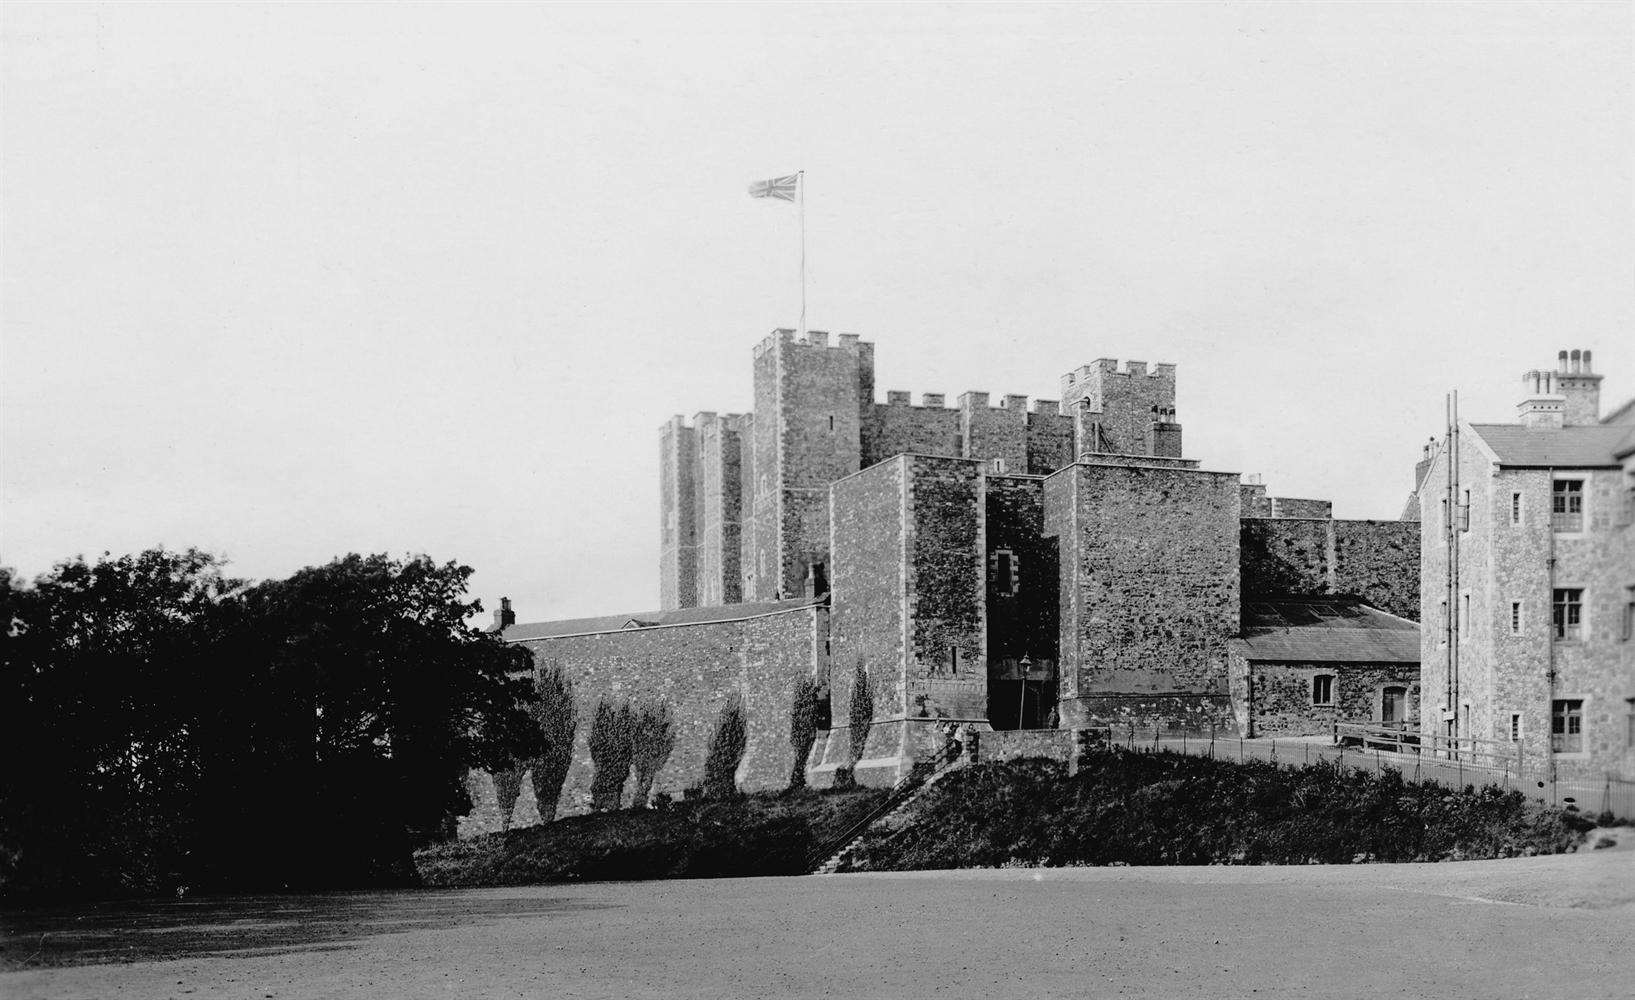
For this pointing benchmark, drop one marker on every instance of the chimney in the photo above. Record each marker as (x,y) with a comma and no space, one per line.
(1580,390)
(1542,407)
(504,617)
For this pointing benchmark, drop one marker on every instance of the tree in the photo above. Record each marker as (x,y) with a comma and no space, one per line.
(105,685)
(556,717)
(726,752)
(653,740)
(610,754)
(803,711)
(507,788)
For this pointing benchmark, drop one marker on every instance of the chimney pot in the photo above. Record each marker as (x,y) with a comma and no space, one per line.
(1577,357)
(1587,369)
(1561,362)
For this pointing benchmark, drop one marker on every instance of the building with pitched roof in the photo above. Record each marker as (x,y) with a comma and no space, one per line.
(1528,578)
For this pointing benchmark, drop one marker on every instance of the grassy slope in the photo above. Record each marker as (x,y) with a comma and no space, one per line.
(1169,809)
(768,834)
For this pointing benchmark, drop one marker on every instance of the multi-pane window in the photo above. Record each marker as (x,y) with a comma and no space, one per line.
(1322,689)
(1515,508)
(1515,727)
(1568,607)
(1515,618)
(1567,505)
(1567,725)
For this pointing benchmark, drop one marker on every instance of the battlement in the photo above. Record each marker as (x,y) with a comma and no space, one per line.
(928,400)
(982,400)
(732,421)
(813,338)
(1104,368)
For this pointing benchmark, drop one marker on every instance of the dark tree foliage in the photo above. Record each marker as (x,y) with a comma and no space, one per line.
(556,716)
(179,727)
(726,752)
(803,714)
(653,740)
(611,752)
(507,789)
(861,716)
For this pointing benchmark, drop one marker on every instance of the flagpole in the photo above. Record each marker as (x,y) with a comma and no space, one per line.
(801,185)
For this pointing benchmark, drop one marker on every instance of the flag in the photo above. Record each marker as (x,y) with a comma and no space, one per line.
(781,188)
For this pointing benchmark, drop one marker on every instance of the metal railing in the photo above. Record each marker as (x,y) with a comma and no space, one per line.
(918,775)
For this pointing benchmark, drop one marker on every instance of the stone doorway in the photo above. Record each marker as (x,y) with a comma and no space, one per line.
(1022,694)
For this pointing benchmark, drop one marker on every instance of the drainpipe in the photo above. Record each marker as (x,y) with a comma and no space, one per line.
(1550,636)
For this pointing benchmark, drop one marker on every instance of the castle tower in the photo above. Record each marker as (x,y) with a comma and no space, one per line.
(678,544)
(810,401)
(1130,412)
(717,490)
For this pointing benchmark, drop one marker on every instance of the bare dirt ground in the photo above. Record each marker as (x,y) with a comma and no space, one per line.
(1531,927)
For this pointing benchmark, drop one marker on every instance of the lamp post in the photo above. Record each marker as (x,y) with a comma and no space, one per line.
(1022,702)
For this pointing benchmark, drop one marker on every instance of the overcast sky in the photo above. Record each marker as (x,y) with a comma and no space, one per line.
(288,282)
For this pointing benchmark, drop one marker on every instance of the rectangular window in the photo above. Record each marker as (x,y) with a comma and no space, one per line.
(831,421)
(1567,725)
(1442,609)
(1464,620)
(1567,505)
(1007,577)
(1628,632)
(1322,689)
(1515,618)
(1515,727)
(1515,508)
(1569,613)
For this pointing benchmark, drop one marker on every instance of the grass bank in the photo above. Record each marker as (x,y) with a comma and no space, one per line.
(765,834)
(1138,808)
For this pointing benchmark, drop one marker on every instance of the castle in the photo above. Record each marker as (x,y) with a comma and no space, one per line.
(1012,567)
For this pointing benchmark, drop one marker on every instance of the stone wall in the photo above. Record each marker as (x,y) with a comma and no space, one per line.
(717,476)
(695,669)
(1149,589)
(1122,404)
(1377,561)
(995,432)
(1276,697)
(1050,438)
(1021,744)
(897,428)
(677,517)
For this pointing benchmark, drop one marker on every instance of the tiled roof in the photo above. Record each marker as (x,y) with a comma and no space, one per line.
(1586,446)
(648,619)
(1325,630)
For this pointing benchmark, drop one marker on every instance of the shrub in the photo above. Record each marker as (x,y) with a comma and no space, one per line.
(726,751)
(803,711)
(610,753)
(507,786)
(861,716)
(654,738)
(557,717)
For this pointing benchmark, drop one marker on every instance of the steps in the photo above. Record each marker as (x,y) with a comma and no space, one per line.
(893,818)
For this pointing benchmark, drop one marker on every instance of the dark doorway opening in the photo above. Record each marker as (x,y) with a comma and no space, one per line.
(1022,697)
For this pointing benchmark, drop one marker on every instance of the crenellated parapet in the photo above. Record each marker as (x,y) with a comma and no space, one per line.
(1128,412)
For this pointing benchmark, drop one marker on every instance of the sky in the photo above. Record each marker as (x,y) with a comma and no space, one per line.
(288,282)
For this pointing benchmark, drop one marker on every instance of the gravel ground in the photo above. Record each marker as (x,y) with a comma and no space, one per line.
(1530,927)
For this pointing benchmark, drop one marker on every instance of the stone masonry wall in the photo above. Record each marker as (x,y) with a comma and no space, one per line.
(695,669)
(1119,402)
(1050,438)
(946,670)
(1279,695)
(896,428)
(995,432)
(677,516)
(1149,585)
(1375,560)
(717,478)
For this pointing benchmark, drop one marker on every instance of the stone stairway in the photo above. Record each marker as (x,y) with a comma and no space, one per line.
(893,819)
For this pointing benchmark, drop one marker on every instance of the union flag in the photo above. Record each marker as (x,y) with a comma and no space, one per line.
(781,188)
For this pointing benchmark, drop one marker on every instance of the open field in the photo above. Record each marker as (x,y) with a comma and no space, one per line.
(1529,927)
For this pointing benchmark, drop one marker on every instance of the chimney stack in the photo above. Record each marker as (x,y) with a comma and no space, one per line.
(1580,389)
(504,617)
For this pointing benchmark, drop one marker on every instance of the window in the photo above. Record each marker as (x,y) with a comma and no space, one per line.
(1567,725)
(1464,619)
(1567,505)
(1515,508)
(1515,618)
(1515,727)
(1442,605)
(1569,613)
(1007,575)
(1322,689)
(1628,632)
(831,421)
